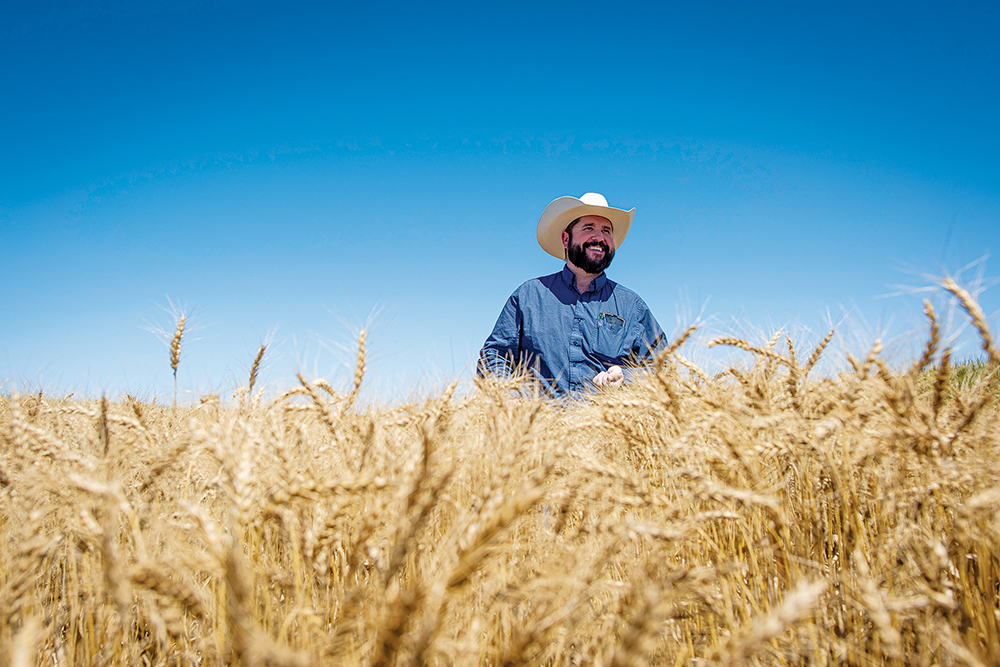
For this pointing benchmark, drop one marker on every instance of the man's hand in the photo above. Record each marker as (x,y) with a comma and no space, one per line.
(613,377)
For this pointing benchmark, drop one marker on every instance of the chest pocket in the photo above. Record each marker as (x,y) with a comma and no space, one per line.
(611,331)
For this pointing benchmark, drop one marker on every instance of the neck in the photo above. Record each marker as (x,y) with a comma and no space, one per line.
(583,279)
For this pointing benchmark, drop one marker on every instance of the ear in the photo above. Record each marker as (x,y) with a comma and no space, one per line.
(565,239)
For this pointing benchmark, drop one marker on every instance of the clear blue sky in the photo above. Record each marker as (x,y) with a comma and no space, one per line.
(295,171)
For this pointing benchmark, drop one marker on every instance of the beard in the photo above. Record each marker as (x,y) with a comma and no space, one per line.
(577,254)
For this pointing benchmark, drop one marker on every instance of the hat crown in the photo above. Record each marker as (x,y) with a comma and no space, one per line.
(594,199)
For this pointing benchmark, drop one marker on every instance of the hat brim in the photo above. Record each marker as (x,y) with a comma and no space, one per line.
(564,210)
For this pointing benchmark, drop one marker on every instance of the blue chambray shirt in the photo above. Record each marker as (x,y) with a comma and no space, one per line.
(565,338)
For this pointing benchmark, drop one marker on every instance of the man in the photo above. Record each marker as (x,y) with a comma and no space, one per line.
(575,329)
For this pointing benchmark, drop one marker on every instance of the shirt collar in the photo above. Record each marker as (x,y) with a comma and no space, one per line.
(569,278)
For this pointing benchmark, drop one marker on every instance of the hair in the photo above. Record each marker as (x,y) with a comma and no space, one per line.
(569,227)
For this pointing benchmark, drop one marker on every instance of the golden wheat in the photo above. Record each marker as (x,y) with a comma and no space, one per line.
(761,516)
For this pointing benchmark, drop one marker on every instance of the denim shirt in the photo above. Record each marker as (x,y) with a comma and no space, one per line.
(565,338)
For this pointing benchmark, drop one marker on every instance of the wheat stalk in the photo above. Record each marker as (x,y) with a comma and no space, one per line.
(255,367)
(971,307)
(359,370)
(175,351)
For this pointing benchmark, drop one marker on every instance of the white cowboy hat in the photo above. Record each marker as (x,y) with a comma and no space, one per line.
(564,210)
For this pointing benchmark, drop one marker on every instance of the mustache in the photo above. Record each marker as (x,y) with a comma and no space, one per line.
(597,244)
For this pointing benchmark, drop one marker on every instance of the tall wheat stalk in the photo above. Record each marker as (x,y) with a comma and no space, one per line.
(175,351)
(255,367)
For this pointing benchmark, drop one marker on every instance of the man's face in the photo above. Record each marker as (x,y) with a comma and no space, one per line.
(590,243)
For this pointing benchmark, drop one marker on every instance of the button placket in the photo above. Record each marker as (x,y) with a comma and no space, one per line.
(576,357)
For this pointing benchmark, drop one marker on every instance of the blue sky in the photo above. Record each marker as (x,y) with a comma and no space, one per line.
(292,173)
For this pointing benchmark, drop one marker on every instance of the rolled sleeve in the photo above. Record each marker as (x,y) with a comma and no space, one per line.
(649,341)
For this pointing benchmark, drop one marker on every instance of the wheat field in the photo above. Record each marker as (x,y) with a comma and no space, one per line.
(764,515)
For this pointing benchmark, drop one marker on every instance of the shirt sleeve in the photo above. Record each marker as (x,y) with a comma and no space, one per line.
(649,340)
(502,349)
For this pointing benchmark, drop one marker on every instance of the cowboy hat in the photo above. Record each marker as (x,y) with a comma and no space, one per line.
(564,210)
